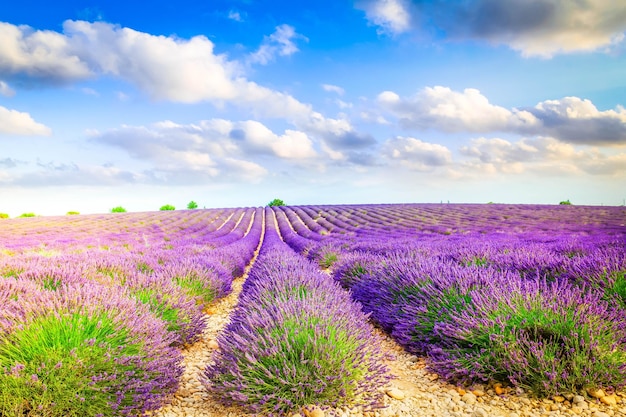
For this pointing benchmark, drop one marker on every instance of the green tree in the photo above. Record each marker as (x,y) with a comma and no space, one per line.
(565,203)
(72,213)
(276,202)
(4,216)
(27,215)
(167,207)
(192,205)
(118,209)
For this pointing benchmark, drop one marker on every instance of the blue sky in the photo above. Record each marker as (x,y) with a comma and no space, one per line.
(234,103)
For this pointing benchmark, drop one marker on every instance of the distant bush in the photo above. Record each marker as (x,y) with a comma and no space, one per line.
(118,209)
(192,205)
(27,215)
(276,202)
(4,216)
(565,203)
(72,213)
(167,207)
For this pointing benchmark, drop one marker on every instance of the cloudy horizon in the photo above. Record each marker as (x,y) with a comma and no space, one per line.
(373,101)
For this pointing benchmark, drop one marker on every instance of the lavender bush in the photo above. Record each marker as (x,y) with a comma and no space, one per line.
(295,339)
(82,350)
(550,338)
(198,281)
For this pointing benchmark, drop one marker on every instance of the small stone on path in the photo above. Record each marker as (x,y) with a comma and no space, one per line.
(314,412)
(469,398)
(609,399)
(395,393)
(595,392)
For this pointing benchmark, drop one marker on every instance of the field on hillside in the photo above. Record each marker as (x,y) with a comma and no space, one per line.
(96,311)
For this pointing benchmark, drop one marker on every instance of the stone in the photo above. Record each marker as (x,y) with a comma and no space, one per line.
(479,412)
(558,398)
(395,393)
(609,399)
(313,412)
(578,399)
(600,414)
(498,389)
(595,392)
(469,398)
(461,391)
(212,344)
(478,392)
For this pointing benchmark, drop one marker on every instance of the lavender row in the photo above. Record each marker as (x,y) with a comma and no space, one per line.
(295,339)
(550,318)
(98,332)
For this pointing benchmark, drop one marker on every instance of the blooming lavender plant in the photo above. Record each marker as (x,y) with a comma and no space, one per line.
(295,339)
(82,350)
(547,337)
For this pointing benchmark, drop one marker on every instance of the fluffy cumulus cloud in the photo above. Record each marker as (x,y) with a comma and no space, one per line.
(164,68)
(570,119)
(416,154)
(453,111)
(13,122)
(280,43)
(543,155)
(212,148)
(576,120)
(39,55)
(535,28)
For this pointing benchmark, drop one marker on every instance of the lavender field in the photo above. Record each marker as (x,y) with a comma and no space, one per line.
(96,311)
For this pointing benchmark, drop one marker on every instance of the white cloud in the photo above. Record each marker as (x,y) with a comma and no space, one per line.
(333,89)
(5,90)
(391,16)
(417,155)
(213,148)
(535,28)
(235,15)
(45,55)
(451,111)
(575,120)
(51,174)
(542,155)
(165,68)
(278,43)
(291,145)
(569,119)
(13,122)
